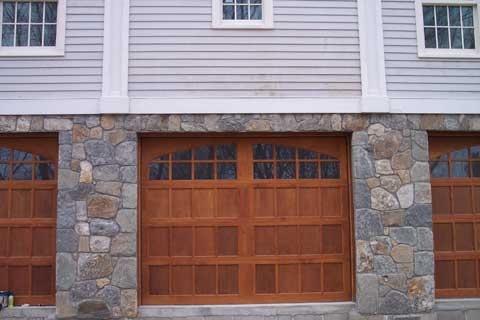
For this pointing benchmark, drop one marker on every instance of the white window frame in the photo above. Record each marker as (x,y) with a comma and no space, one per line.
(265,23)
(447,53)
(58,50)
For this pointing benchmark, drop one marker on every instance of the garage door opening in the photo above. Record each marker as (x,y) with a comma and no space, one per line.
(245,220)
(455,173)
(28,193)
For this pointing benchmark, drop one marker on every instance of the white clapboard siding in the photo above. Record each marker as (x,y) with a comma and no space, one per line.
(76,75)
(411,77)
(312,51)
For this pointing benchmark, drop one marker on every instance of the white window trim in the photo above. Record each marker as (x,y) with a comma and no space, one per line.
(58,50)
(219,23)
(447,53)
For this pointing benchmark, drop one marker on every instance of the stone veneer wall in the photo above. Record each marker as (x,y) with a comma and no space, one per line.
(97,201)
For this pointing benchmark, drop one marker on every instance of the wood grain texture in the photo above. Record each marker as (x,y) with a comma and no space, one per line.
(245,240)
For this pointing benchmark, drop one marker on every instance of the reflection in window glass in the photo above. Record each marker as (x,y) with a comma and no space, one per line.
(308,170)
(475,152)
(439,169)
(181,171)
(204,153)
(285,153)
(242,10)
(4,154)
(4,171)
(330,170)
(204,171)
(22,171)
(449,27)
(22,156)
(476,169)
(263,170)
(460,169)
(44,171)
(307,154)
(262,151)
(29,23)
(286,170)
(459,154)
(158,171)
(183,155)
(226,171)
(226,152)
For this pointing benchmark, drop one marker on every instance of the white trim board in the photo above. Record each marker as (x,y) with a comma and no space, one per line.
(239,106)
(54,106)
(372,56)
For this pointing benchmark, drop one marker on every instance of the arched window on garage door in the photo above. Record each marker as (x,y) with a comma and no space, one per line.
(28,188)
(455,178)
(245,220)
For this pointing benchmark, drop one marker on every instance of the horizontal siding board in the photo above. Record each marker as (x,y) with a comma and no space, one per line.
(411,76)
(76,75)
(312,51)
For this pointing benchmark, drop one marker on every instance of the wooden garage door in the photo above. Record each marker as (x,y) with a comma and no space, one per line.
(455,172)
(28,188)
(245,220)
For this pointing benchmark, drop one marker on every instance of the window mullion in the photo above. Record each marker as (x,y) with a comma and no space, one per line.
(461,27)
(449,28)
(436,27)
(43,23)
(29,26)
(15,25)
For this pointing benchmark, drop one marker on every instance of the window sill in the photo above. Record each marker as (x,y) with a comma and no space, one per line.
(242,25)
(31,52)
(449,54)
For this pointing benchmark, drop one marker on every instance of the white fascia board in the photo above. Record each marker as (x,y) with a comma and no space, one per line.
(238,106)
(47,106)
(435,106)
(244,105)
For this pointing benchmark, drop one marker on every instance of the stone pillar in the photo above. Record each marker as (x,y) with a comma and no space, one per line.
(97,201)
(393,218)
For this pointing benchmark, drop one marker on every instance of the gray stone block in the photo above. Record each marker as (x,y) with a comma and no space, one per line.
(367,224)
(125,273)
(99,152)
(367,293)
(424,263)
(394,303)
(384,265)
(405,235)
(66,269)
(67,240)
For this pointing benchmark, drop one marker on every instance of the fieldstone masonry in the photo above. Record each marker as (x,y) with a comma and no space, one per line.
(97,201)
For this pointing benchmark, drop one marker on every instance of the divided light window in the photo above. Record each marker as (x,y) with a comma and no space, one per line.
(242,14)
(32,28)
(449,27)
(242,9)
(29,24)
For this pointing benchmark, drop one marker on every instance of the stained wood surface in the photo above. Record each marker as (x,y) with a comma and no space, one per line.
(246,235)
(455,170)
(28,191)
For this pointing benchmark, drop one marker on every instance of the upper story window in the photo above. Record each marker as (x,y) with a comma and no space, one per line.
(256,14)
(32,28)
(448,28)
